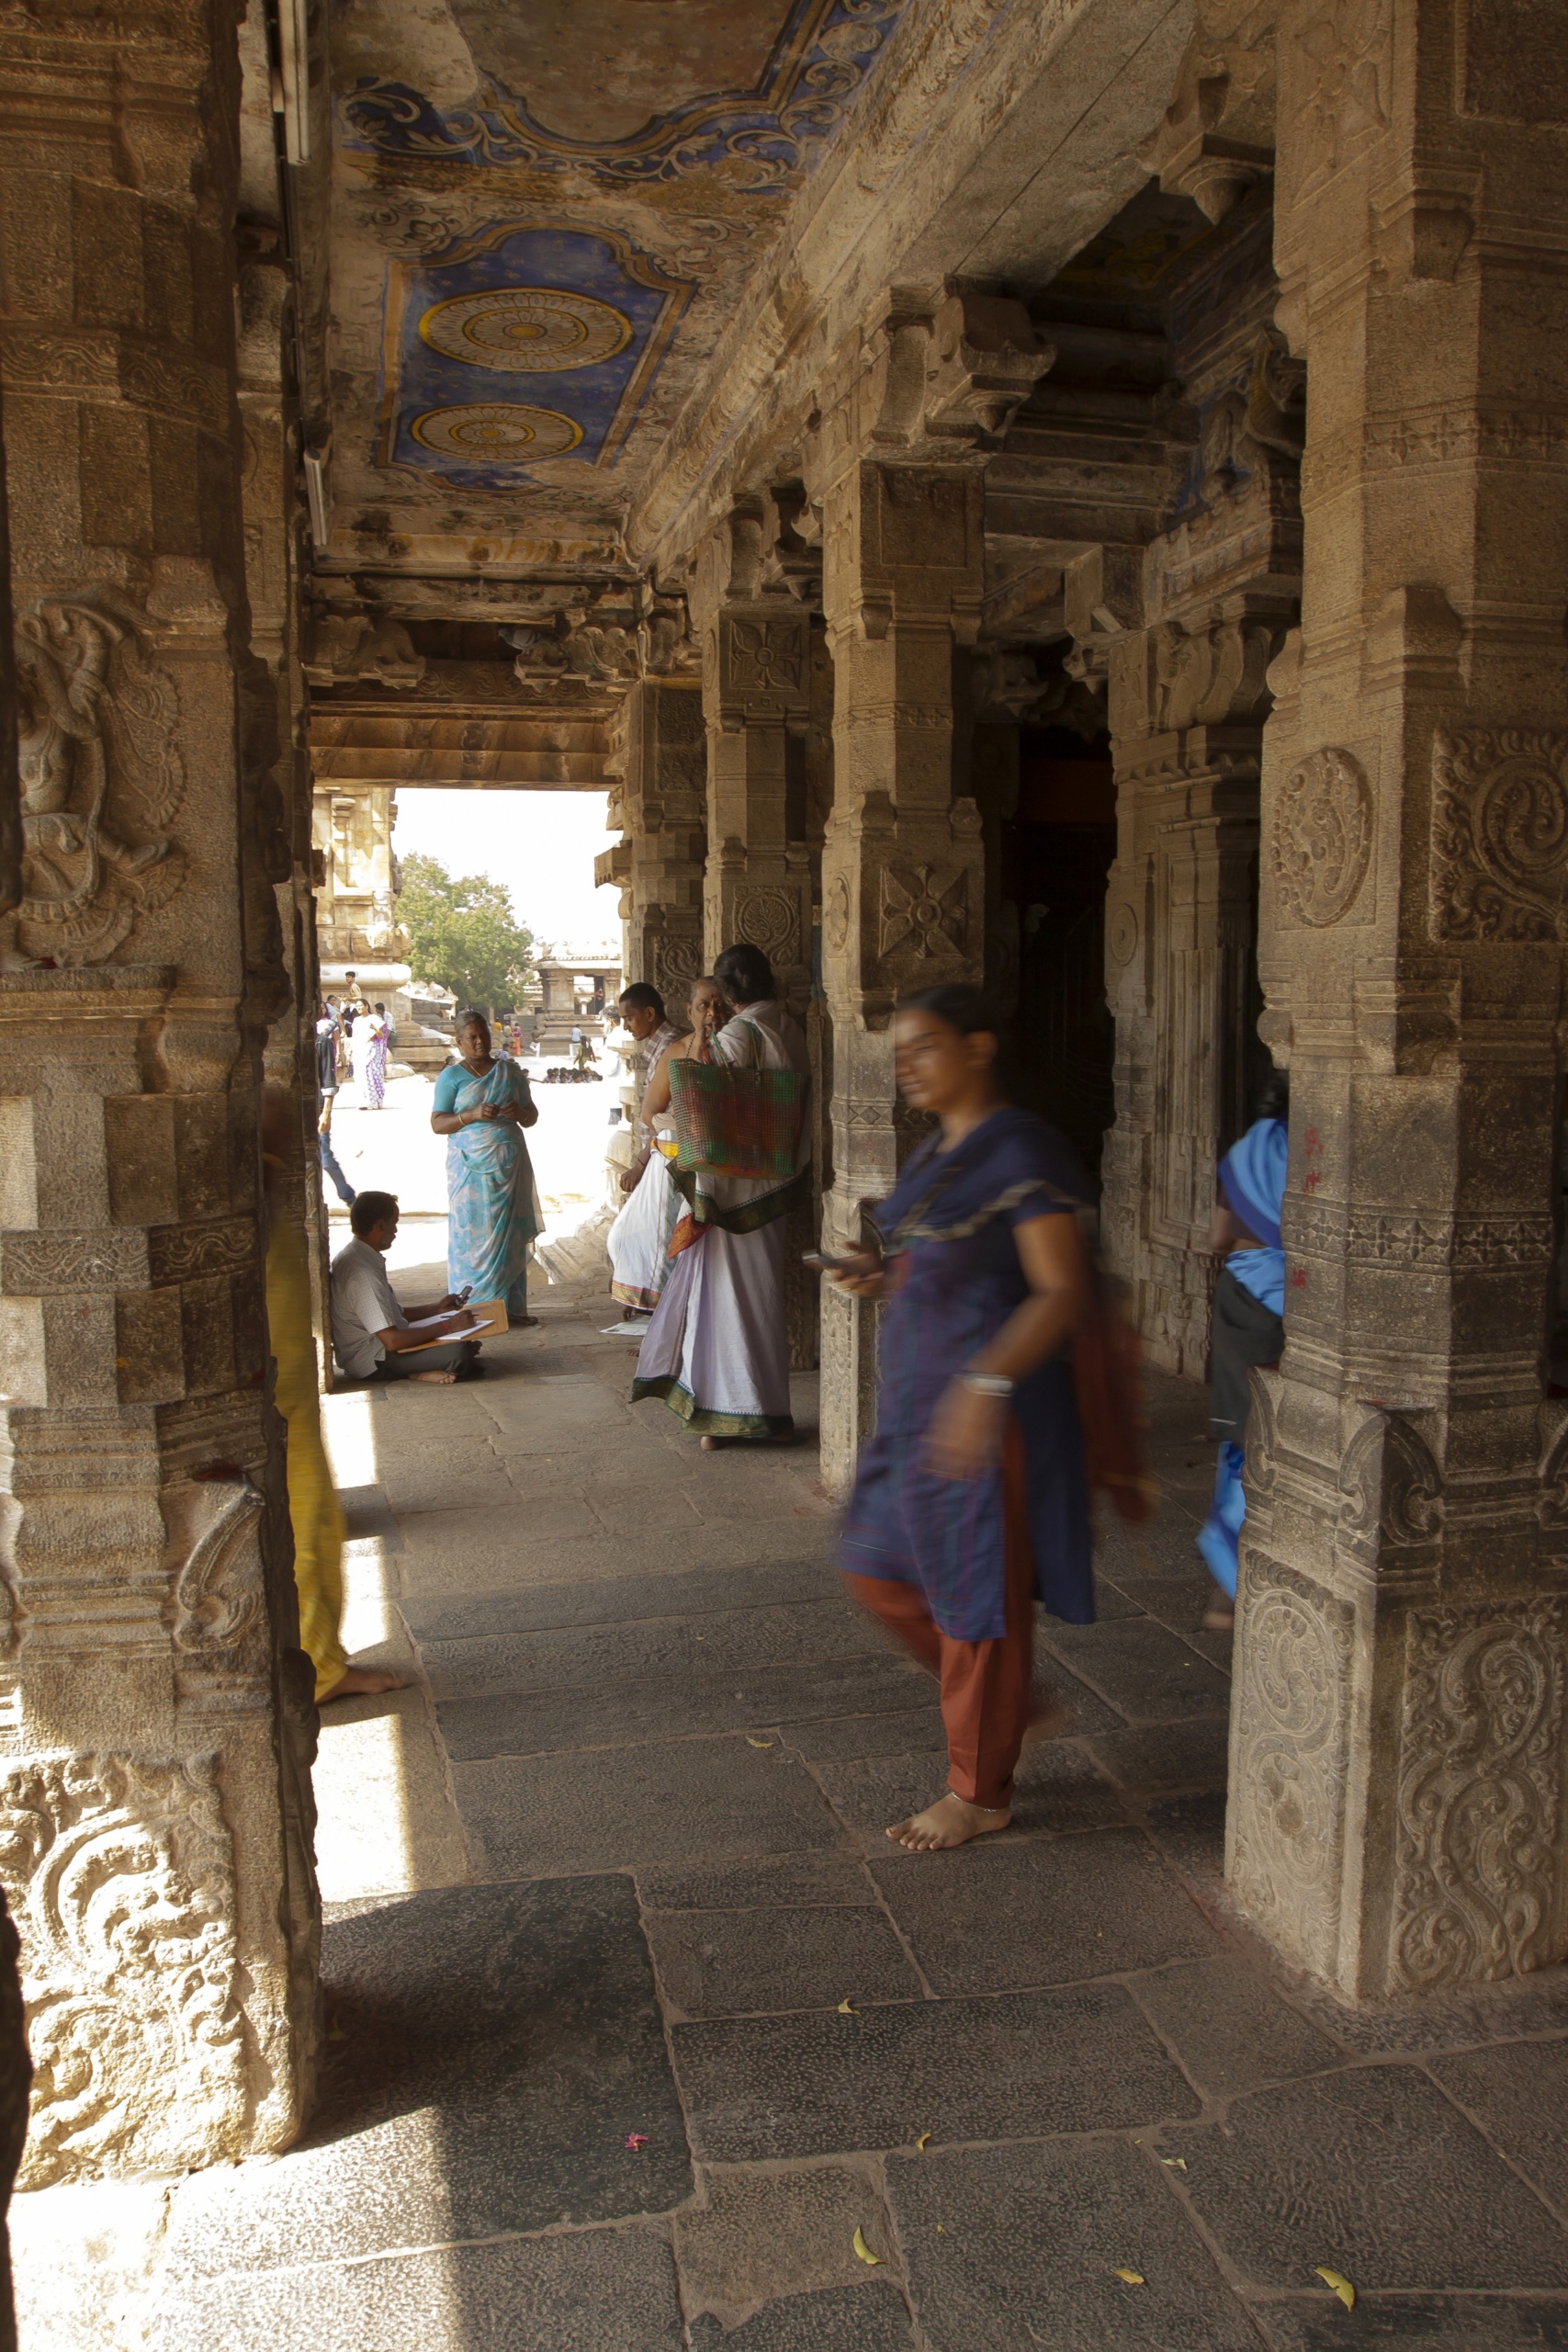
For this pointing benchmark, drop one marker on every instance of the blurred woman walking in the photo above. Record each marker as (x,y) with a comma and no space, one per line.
(973,1498)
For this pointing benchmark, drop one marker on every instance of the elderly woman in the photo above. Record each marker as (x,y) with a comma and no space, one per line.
(639,1241)
(973,1497)
(716,1350)
(482,1105)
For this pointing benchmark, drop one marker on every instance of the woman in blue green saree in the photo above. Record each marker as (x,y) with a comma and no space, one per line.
(481,1105)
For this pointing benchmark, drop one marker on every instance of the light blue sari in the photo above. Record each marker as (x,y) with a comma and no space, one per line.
(492,1208)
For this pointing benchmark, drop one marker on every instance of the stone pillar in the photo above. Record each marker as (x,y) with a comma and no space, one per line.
(274,524)
(657,749)
(1186,700)
(906,414)
(902,881)
(756,695)
(1398,1726)
(155,1829)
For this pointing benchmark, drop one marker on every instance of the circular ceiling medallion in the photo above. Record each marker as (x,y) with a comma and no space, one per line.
(526,329)
(492,432)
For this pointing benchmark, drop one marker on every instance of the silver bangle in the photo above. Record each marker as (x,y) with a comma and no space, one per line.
(988,1384)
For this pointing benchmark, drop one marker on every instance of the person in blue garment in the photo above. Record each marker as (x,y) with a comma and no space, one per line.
(482,1105)
(1248,1321)
(973,1496)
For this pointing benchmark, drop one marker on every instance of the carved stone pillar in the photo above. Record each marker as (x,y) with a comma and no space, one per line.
(906,414)
(756,697)
(153,1763)
(1185,704)
(660,803)
(902,881)
(1398,1726)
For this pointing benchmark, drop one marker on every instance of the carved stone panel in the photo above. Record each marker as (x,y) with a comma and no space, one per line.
(1288,1740)
(924,915)
(1500,865)
(120,1873)
(1477,1889)
(102,779)
(769,919)
(1322,838)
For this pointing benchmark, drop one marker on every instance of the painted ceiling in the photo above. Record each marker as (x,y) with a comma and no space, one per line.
(543,213)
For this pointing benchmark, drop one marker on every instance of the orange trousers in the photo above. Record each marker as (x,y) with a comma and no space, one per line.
(985,1686)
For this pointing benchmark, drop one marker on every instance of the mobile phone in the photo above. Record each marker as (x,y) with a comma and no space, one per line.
(464,1294)
(821,1264)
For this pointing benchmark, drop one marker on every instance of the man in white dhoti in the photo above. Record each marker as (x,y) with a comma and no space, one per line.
(716,1350)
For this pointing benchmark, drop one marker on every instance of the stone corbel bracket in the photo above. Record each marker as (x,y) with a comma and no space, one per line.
(353,647)
(955,366)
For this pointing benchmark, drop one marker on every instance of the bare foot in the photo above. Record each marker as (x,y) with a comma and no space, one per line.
(780,1436)
(435,1379)
(521,1322)
(712,1444)
(1220,1617)
(361,1681)
(950,1822)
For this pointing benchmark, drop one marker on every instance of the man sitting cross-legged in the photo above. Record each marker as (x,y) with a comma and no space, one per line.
(371,1334)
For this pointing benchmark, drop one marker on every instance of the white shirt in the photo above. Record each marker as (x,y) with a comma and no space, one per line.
(363,1305)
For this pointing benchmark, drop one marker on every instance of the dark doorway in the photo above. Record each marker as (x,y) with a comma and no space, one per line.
(1056,857)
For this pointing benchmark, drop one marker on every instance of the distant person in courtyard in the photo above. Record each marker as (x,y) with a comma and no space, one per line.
(717,1350)
(314,1511)
(482,1105)
(639,1241)
(1247,1325)
(368,1049)
(582,1054)
(972,1499)
(372,1334)
(327,1045)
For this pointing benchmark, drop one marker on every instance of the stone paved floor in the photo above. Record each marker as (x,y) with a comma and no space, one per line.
(648,2019)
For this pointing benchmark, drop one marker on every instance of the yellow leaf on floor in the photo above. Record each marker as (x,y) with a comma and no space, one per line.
(1174,2164)
(924,2140)
(848,2010)
(865,2251)
(1341,2284)
(756,1743)
(1133,2278)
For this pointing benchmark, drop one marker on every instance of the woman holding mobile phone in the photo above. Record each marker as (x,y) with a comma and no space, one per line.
(972,1497)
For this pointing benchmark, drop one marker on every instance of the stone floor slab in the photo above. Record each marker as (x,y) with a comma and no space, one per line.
(1143,1669)
(1375,2173)
(613,2289)
(1231,2032)
(551,1560)
(1012,2247)
(846,2319)
(755,2235)
(1003,2068)
(690,1801)
(612,1598)
(734,1963)
(1158,1760)
(1041,1911)
(1518,2096)
(851,1738)
(782,1882)
(1415,2324)
(668,1706)
(493,2047)
(553,1658)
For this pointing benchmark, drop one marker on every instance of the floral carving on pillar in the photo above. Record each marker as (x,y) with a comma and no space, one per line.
(1391,1488)
(1476,1892)
(924,914)
(101,777)
(1499,865)
(121,1879)
(769,920)
(1288,1758)
(1322,841)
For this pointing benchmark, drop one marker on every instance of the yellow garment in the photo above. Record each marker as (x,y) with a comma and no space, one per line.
(314,1505)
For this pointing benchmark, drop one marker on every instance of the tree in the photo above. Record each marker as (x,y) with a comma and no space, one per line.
(463,934)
